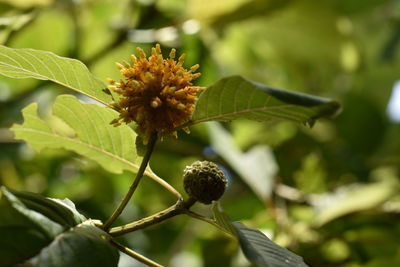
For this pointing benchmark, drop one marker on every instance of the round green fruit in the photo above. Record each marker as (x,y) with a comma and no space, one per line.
(204,181)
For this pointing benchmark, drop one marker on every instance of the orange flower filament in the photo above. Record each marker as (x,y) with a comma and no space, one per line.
(156,93)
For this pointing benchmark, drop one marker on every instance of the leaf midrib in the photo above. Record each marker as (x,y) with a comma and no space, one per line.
(84,144)
(220,116)
(53,80)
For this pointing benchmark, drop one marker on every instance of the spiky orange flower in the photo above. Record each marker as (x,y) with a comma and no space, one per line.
(157,93)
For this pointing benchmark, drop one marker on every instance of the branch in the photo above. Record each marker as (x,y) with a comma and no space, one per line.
(139,175)
(180,207)
(134,254)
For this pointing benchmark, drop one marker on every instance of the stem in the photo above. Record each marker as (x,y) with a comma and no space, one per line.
(180,207)
(134,254)
(164,184)
(132,188)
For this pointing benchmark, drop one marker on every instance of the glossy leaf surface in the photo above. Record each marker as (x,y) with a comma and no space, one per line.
(235,97)
(84,245)
(23,231)
(257,247)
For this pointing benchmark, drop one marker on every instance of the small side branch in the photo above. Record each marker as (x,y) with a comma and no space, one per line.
(134,254)
(180,207)
(164,184)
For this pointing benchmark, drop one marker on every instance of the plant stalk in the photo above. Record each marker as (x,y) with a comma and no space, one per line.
(132,188)
(180,207)
(134,254)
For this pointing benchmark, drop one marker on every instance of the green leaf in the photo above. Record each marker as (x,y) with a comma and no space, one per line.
(24,232)
(357,197)
(257,247)
(256,167)
(84,245)
(61,211)
(43,65)
(84,129)
(235,97)
(30,233)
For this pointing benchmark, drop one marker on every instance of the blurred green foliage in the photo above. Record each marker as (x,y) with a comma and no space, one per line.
(336,197)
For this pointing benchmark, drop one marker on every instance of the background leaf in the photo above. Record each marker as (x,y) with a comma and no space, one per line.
(43,65)
(84,129)
(235,97)
(84,245)
(257,167)
(356,197)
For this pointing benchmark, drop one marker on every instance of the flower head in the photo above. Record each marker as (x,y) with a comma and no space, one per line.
(156,93)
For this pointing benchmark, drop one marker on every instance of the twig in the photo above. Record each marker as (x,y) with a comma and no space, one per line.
(164,184)
(134,254)
(180,207)
(139,175)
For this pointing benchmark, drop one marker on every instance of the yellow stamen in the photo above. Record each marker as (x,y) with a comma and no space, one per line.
(158,48)
(172,53)
(156,102)
(140,52)
(194,68)
(181,59)
(196,75)
(126,64)
(135,84)
(119,65)
(149,76)
(160,59)
(172,89)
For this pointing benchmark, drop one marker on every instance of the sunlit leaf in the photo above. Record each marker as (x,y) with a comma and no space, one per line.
(257,167)
(235,97)
(42,65)
(84,129)
(28,3)
(353,198)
